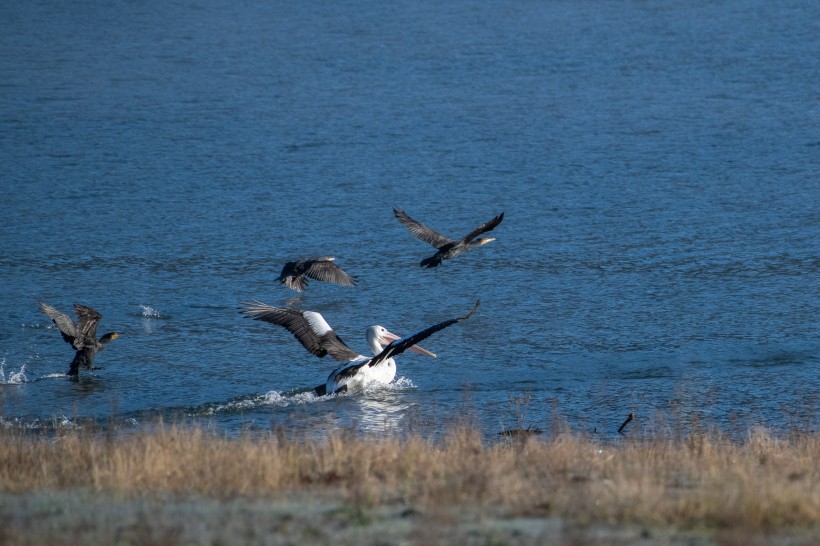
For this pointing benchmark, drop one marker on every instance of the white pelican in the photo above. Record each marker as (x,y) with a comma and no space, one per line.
(316,335)
(447,248)
(294,275)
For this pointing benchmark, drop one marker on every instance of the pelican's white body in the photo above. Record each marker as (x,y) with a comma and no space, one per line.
(382,373)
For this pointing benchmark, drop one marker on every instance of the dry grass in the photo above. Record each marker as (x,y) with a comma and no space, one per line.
(700,482)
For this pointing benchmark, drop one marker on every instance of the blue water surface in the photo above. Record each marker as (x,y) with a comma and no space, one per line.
(658,164)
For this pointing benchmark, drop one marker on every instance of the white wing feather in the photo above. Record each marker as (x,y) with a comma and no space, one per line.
(317,322)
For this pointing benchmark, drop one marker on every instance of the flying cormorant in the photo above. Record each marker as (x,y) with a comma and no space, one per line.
(447,248)
(294,275)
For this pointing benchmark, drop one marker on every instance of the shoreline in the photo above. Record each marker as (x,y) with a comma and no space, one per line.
(182,485)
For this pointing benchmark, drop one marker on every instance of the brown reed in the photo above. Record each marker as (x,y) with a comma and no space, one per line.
(699,482)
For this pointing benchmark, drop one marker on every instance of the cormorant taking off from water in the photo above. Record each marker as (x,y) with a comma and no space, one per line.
(447,248)
(294,275)
(82,336)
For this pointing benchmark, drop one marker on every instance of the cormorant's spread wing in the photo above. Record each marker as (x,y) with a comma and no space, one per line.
(63,322)
(309,327)
(483,228)
(298,283)
(327,271)
(288,269)
(421,231)
(292,275)
(87,319)
(401,345)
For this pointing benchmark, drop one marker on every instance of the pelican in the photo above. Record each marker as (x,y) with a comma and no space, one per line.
(447,248)
(294,275)
(316,335)
(82,336)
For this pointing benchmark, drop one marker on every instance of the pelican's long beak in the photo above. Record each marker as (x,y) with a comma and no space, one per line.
(485,240)
(390,336)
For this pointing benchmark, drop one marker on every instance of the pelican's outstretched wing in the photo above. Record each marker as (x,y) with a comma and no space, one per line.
(324,269)
(309,327)
(421,231)
(401,345)
(484,228)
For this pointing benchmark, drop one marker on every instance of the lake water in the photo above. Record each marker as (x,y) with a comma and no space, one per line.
(658,164)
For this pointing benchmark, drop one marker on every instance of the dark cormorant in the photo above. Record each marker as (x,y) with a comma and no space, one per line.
(82,336)
(629,419)
(447,248)
(294,275)
(316,335)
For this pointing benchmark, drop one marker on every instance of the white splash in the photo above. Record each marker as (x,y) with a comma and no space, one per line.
(285,399)
(149,312)
(64,422)
(276,398)
(15,378)
(272,398)
(402,383)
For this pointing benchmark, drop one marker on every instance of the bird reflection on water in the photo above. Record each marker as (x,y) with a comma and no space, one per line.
(382,412)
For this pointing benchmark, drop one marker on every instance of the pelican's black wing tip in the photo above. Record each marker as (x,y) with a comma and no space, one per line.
(468,315)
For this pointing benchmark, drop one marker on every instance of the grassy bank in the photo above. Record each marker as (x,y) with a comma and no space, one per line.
(700,483)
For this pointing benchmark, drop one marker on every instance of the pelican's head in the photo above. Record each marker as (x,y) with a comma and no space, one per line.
(484,240)
(379,336)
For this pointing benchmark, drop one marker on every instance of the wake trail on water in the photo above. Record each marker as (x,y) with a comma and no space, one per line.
(295,397)
(52,376)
